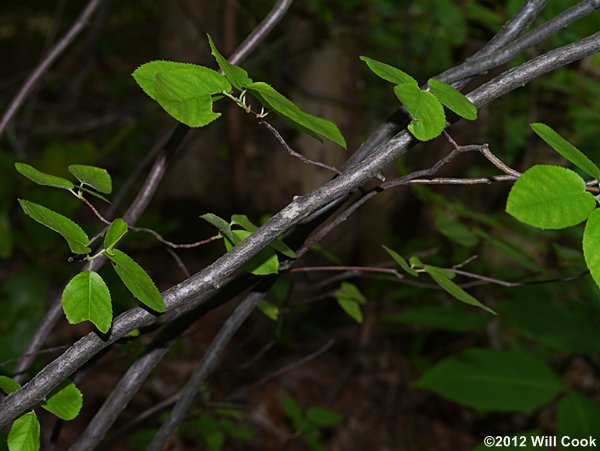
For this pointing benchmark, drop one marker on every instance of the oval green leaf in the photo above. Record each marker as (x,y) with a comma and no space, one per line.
(65,402)
(453,99)
(87,298)
(440,277)
(493,380)
(137,281)
(237,76)
(207,81)
(271,311)
(116,231)
(176,93)
(76,238)
(8,385)
(97,178)
(350,300)
(550,197)
(388,72)
(41,178)
(577,417)
(263,263)
(426,112)
(25,433)
(289,110)
(591,245)
(322,417)
(566,149)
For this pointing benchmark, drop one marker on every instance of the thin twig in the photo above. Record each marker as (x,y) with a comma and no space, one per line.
(291,151)
(285,369)
(485,150)
(168,243)
(80,23)
(372,269)
(179,262)
(462,181)
(91,207)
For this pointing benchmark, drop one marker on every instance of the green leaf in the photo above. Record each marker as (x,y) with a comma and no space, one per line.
(559,325)
(137,281)
(288,109)
(278,244)
(591,245)
(8,385)
(176,93)
(493,380)
(401,261)
(437,317)
(453,99)
(208,80)
(243,222)
(322,417)
(271,311)
(117,230)
(86,298)
(550,197)
(237,76)
(76,238)
(97,178)
(293,411)
(577,417)
(508,249)
(350,299)
(454,230)
(387,72)
(93,193)
(443,281)
(426,112)
(352,309)
(65,402)
(183,90)
(566,149)
(42,178)
(263,263)
(415,262)
(222,225)
(25,433)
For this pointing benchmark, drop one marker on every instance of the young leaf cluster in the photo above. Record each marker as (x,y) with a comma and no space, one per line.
(443,277)
(86,297)
(237,230)
(425,108)
(553,197)
(187,93)
(64,402)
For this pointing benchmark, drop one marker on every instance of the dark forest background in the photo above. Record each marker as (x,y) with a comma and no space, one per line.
(88,110)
